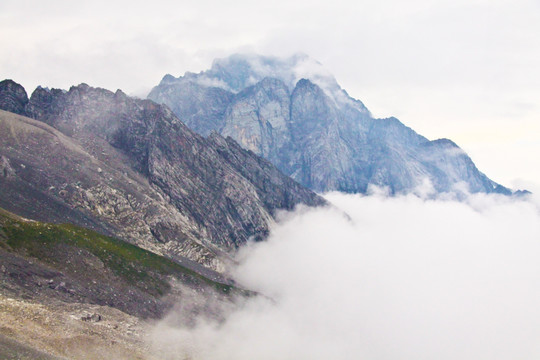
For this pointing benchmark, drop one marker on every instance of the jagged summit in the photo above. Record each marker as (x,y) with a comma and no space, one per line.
(13,97)
(293,112)
(130,168)
(238,71)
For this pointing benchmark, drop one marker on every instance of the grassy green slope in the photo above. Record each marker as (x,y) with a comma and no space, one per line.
(92,267)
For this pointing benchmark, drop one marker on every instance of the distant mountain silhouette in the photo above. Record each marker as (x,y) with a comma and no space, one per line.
(294,113)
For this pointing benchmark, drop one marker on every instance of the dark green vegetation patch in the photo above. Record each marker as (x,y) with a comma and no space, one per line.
(85,266)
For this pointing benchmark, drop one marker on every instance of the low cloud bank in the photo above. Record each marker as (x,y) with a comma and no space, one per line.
(394,278)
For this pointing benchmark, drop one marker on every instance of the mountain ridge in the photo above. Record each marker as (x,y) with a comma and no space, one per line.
(130,168)
(318,134)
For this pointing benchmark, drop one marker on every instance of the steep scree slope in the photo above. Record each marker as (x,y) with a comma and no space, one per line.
(132,169)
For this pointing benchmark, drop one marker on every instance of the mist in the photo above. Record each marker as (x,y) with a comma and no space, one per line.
(377,277)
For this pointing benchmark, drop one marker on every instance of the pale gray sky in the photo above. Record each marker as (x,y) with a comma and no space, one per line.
(468,70)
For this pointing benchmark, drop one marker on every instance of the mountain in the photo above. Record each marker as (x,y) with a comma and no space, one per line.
(294,113)
(44,261)
(130,168)
(69,292)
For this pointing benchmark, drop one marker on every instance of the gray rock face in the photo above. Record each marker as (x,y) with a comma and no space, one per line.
(293,113)
(201,107)
(132,169)
(13,97)
(259,119)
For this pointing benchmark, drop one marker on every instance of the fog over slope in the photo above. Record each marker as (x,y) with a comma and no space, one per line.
(398,278)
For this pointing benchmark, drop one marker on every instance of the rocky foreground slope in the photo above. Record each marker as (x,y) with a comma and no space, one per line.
(44,261)
(130,168)
(294,113)
(69,292)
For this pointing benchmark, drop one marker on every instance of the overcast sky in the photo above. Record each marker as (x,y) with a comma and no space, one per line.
(468,70)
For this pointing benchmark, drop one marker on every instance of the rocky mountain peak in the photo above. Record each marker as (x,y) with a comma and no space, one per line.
(314,132)
(305,87)
(304,83)
(13,97)
(239,71)
(167,79)
(131,168)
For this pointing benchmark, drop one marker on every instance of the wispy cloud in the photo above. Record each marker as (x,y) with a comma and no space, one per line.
(398,278)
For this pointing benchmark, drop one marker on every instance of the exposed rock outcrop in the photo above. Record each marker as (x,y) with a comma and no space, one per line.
(294,113)
(132,169)
(13,97)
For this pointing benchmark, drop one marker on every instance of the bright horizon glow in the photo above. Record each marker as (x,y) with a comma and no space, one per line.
(464,70)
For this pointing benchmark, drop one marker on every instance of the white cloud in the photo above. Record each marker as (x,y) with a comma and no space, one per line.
(211,82)
(398,278)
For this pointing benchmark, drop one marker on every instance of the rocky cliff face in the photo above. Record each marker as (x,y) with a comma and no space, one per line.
(201,106)
(292,112)
(13,97)
(132,169)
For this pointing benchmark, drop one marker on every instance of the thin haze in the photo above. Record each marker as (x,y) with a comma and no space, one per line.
(398,278)
(463,69)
